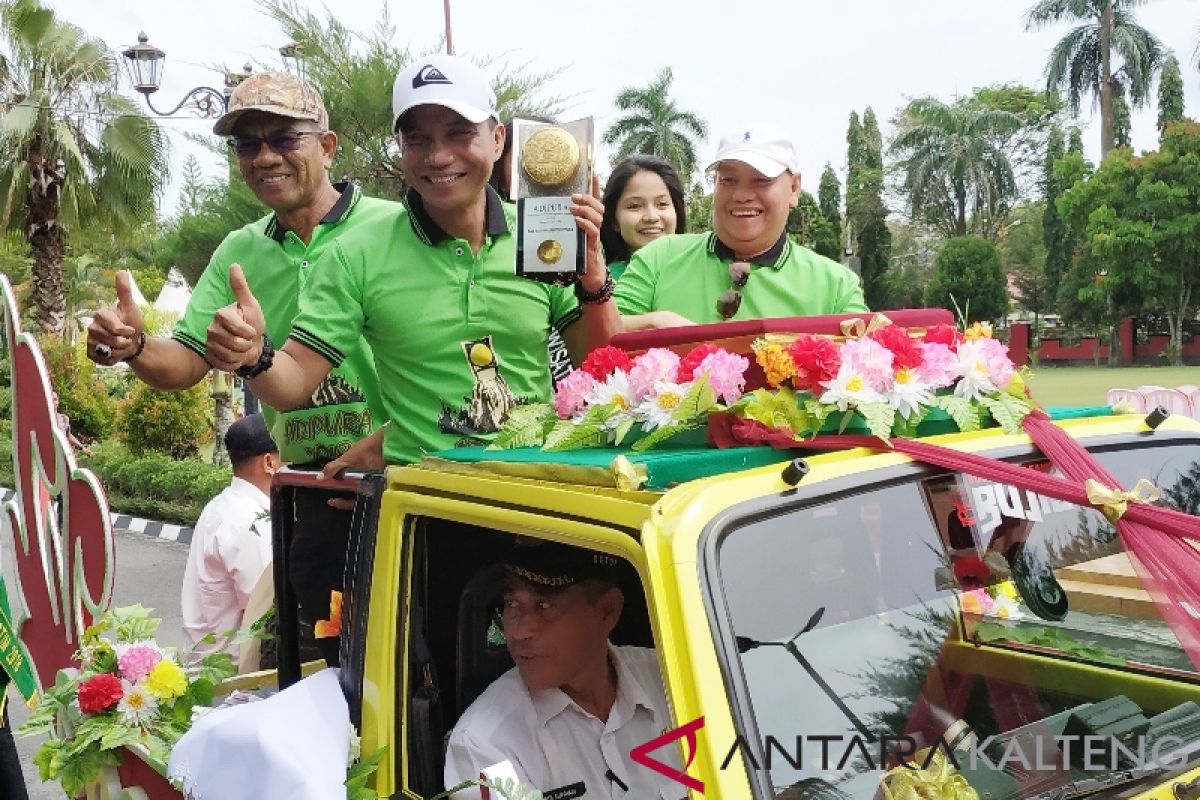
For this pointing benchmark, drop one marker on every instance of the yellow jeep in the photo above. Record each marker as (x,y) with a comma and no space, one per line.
(818,620)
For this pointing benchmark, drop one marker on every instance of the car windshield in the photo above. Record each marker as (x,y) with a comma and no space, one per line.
(948,616)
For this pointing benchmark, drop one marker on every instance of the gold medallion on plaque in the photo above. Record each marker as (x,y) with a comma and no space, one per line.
(549,251)
(550,157)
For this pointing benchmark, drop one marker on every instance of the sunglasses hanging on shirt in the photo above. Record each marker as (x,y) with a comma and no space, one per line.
(731,300)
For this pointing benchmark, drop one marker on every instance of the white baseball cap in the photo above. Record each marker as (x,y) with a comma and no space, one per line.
(766,147)
(443,80)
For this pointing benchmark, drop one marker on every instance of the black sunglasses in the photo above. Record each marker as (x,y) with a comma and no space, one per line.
(731,300)
(285,142)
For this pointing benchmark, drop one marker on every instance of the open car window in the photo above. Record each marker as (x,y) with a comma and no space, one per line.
(958,614)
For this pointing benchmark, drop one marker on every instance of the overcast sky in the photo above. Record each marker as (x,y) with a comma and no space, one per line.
(803,65)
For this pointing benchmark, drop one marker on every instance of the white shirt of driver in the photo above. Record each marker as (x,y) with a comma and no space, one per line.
(231,547)
(559,748)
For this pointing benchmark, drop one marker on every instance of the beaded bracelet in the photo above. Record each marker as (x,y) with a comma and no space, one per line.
(601,295)
(138,352)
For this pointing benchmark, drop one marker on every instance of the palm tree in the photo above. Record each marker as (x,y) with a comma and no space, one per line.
(86,287)
(653,125)
(954,162)
(1082,61)
(73,147)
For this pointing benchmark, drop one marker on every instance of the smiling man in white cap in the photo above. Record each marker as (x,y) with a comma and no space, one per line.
(747,267)
(458,338)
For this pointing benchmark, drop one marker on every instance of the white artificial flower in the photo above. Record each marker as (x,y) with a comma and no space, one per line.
(1004,607)
(976,381)
(137,706)
(659,407)
(908,393)
(615,390)
(848,386)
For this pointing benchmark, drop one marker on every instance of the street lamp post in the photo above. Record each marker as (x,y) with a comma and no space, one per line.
(144,62)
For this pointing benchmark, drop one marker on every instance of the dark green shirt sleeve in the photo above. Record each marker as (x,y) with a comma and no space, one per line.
(332,312)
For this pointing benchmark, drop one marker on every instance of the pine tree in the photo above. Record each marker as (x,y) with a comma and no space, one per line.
(1075,140)
(192,191)
(870,213)
(1170,94)
(829,197)
(1122,123)
(1055,233)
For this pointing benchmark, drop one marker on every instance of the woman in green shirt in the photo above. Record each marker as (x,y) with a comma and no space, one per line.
(643,200)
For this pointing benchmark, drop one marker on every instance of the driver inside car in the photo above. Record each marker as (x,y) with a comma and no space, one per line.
(568,714)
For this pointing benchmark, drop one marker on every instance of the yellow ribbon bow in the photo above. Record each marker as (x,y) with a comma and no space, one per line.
(855,328)
(938,780)
(627,476)
(1113,502)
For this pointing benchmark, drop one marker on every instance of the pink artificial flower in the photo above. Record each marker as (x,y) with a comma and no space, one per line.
(985,367)
(939,365)
(569,397)
(726,374)
(136,662)
(657,365)
(870,360)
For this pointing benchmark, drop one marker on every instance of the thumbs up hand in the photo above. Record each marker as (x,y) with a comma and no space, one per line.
(115,331)
(235,336)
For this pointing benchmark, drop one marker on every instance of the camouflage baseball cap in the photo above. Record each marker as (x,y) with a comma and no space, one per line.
(273,93)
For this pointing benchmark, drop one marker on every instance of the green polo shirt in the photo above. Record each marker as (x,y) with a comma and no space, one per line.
(278,267)
(686,273)
(459,338)
(617,268)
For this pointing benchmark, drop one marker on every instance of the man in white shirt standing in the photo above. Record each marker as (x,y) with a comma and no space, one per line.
(231,544)
(567,715)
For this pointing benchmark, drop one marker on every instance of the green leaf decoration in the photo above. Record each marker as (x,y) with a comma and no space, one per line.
(526,426)
(660,435)
(622,430)
(134,623)
(360,772)
(817,412)
(879,418)
(699,399)
(1007,410)
(907,428)
(991,632)
(775,409)
(847,418)
(961,410)
(119,736)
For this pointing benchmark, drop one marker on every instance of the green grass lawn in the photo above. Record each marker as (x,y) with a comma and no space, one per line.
(1087,386)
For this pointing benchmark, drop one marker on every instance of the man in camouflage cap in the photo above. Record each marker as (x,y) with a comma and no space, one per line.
(278,130)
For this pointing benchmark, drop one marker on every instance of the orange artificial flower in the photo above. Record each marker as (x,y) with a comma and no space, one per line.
(330,628)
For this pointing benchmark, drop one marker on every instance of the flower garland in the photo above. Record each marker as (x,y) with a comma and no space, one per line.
(658,394)
(890,378)
(128,690)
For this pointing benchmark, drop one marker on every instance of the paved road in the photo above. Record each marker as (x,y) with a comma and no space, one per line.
(149,571)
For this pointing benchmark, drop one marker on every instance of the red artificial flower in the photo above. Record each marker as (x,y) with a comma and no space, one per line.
(906,354)
(943,334)
(603,361)
(99,693)
(971,571)
(688,364)
(817,359)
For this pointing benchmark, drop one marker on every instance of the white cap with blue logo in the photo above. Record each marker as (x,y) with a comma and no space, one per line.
(443,80)
(766,147)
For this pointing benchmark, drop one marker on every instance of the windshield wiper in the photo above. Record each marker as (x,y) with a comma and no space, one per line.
(745,644)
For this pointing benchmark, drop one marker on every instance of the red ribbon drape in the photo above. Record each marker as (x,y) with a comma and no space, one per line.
(1155,538)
